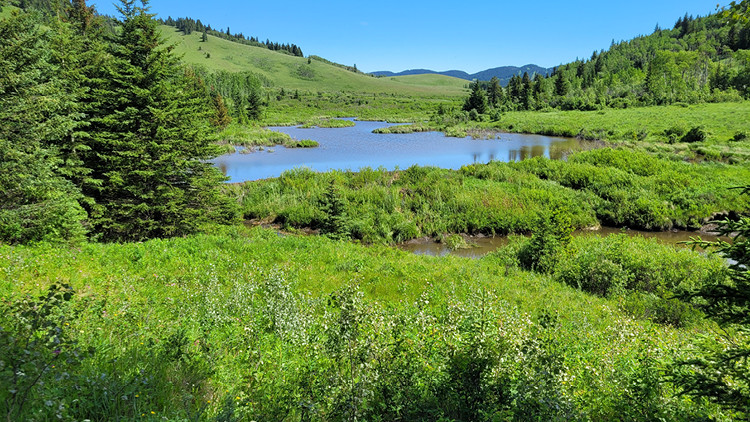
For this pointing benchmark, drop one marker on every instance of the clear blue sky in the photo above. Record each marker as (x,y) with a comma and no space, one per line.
(438,35)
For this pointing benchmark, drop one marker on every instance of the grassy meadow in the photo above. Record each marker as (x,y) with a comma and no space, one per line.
(295,73)
(253,325)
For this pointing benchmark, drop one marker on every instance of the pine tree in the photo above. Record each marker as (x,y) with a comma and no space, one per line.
(37,203)
(495,92)
(204,37)
(477,99)
(149,138)
(221,117)
(721,372)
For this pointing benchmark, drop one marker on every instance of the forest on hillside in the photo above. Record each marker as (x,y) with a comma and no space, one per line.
(700,59)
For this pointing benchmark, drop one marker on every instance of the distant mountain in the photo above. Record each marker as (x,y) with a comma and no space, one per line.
(503,73)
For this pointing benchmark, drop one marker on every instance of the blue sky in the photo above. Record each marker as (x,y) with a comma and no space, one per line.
(473,36)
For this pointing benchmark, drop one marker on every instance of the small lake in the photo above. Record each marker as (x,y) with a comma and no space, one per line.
(355,147)
(481,246)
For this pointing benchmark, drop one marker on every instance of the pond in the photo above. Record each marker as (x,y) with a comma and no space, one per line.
(481,246)
(352,148)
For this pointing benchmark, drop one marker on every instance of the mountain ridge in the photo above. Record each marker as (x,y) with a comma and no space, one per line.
(504,73)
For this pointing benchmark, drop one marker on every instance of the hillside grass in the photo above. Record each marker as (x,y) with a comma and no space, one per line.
(292,72)
(260,326)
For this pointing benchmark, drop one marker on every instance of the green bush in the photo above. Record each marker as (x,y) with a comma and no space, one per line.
(647,274)
(739,136)
(548,242)
(696,134)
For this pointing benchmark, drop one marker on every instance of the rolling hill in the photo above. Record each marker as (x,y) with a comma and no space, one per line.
(299,73)
(503,73)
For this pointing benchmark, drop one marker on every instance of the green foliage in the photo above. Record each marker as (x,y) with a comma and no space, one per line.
(36,115)
(212,328)
(241,92)
(646,275)
(549,239)
(221,117)
(638,190)
(696,134)
(39,359)
(614,187)
(477,100)
(148,137)
(383,206)
(304,143)
(721,372)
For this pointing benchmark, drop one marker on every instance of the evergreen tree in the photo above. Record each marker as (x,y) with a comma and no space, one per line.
(721,373)
(254,108)
(538,90)
(495,92)
(148,141)
(204,37)
(37,203)
(477,99)
(78,52)
(514,89)
(221,117)
(562,85)
(526,91)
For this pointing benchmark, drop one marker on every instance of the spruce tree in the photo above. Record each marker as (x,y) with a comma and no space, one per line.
(526,91)
(221,117)
(149,140)
(477,99)
(721,371)
(562,85)
(36,110)
(495,92)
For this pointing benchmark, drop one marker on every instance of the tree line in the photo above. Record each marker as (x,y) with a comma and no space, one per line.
(189,25)
(105,135)
(700,59)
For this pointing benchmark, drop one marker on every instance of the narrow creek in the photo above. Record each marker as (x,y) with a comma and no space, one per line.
(480,246)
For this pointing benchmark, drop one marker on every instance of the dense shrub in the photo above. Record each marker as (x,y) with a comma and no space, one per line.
(696,134)
(647,275)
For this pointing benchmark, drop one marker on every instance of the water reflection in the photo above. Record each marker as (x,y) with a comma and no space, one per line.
(355,147)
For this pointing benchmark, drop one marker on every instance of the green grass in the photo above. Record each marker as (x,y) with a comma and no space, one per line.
(722,121)
(622,188)
(293,73)
(254,324)
(643,127)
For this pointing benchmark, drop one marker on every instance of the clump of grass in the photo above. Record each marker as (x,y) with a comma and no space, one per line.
(304,143)
(250,136)
(454,242)
(328,123)
(402,129)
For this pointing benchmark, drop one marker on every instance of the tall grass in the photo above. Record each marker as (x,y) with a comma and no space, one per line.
(256,326)
(621,188)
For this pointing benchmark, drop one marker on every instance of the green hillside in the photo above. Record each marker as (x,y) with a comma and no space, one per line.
(291,72)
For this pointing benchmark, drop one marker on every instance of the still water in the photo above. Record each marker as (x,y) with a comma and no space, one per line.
(480,246)
(355,147)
